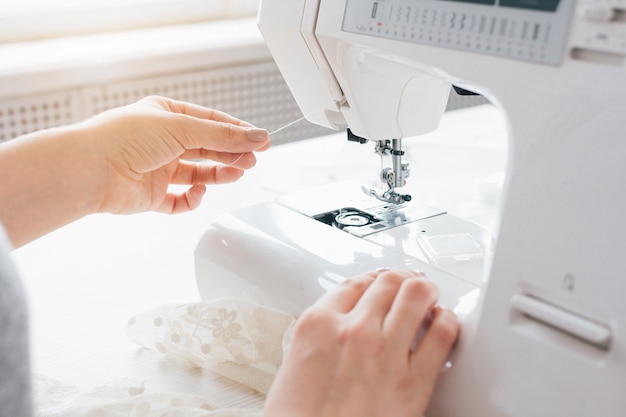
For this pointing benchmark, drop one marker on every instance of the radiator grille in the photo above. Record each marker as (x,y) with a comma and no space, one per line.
(26,114)
(255,92)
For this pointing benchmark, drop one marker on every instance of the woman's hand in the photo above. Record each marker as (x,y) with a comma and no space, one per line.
(352,354)
(121,161)
(157,142)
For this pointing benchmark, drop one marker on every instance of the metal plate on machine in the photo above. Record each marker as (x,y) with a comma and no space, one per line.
(346,206)
(375,219)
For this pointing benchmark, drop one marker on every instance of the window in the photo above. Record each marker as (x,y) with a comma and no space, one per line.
(26,20)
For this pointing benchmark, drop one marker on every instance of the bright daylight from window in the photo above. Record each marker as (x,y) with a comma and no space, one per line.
(26,20)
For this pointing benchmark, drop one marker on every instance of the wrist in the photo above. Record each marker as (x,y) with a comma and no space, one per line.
(84,170)
(49,180)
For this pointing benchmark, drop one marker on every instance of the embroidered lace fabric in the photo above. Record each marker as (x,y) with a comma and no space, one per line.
(240,340)
(54,399)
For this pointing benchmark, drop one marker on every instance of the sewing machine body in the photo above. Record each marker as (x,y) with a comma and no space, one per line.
(545,336)
(286,253)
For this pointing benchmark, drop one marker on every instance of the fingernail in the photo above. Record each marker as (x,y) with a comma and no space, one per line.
(257,135)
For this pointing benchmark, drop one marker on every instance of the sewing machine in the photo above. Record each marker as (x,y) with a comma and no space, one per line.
(542,302)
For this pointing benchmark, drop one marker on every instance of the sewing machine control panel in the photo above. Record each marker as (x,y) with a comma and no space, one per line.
(530,30)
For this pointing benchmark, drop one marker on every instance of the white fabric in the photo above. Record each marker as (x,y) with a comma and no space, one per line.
(236,339)
(55,399)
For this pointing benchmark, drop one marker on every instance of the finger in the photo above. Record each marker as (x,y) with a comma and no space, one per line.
(409,310)
(181,203)
(377,301)
(239,160)
(189,174)
(347,293)
(200,112)
(193,133)
(433,350)
(265,147)
(198,133)
(205,113)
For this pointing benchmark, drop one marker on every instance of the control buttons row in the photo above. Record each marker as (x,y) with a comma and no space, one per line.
(409,18)
(515,33)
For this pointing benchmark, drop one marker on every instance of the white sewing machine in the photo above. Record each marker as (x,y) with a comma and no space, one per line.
(543,305)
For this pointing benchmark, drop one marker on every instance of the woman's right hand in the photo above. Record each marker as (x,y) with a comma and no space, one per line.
(351,352)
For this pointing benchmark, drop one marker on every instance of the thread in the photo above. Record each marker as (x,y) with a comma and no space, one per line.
(296,121)
(287,125)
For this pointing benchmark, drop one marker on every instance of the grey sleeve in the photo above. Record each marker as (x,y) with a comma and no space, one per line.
(15,374)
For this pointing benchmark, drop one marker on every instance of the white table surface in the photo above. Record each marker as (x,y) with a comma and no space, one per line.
(87,279)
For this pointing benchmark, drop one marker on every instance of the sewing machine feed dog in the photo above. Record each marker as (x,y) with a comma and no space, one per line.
(542,302)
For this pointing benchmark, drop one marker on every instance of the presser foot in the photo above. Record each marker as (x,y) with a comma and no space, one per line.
(389,196)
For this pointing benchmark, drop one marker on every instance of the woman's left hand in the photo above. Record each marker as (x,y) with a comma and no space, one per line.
(121,161)
(156,142)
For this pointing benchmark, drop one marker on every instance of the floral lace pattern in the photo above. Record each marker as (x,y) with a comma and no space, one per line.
(55,399)
(239,340)
(236,339)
